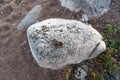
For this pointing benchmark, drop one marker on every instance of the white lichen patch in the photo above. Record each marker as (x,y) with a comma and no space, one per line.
(56,43)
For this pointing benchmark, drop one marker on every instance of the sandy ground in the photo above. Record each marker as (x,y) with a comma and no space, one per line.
(16,60)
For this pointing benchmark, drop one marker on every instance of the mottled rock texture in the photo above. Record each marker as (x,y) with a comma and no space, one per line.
(56,43)
(93,8)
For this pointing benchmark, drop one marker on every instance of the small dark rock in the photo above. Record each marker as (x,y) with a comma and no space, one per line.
(114,76)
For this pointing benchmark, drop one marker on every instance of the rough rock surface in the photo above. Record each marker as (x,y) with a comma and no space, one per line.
(56,43)
(93,8)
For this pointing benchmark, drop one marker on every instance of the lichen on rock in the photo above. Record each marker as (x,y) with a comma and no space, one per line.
(55,43)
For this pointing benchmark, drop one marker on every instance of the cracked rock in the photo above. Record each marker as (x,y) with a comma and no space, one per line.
(55,43)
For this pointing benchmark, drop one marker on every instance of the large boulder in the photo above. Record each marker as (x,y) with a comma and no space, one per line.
(93,8)
(55,43)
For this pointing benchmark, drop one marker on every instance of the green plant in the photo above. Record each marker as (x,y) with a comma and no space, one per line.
(67,72)
(98,77)
(106,58)
(113,43)
(110,30)
(111,38)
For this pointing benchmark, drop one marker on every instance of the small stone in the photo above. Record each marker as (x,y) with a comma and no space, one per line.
(114,76)
(55,43)
(30,18)
(85,18)
(81,72)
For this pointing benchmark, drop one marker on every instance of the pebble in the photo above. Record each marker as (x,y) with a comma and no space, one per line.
(81,72)
(114,76)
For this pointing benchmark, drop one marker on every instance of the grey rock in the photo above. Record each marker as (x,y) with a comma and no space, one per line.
(17,1)
(6,1)
(55,43)
(110,77)
(93,8)
(114,76)
(81,72)
(30,18)
(85,18)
